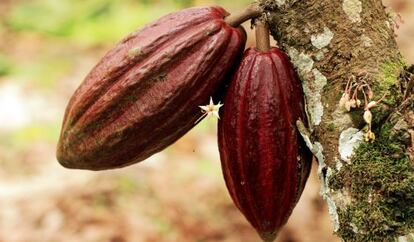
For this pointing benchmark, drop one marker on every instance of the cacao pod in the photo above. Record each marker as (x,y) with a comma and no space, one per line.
(145,92)
(264,160)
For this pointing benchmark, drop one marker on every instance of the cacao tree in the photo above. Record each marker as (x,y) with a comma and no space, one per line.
(365,155)
(358,93)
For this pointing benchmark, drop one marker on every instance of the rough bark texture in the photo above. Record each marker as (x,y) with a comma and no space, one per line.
(368,186)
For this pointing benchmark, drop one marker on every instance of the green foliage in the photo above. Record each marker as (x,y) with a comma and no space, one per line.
(390,71)
(28,135)
(5,65)
(91,22)
(44,73)
(381,179)
(184,3)
(126,185)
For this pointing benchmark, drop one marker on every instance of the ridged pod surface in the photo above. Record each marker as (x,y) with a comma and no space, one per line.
(265,163)
(145,92)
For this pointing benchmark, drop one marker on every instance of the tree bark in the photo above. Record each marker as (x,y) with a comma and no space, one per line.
(368,184)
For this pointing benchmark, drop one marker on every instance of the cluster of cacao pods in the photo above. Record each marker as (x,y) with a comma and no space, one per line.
(145,94)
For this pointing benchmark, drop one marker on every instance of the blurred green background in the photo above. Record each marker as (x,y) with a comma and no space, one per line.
(46,49)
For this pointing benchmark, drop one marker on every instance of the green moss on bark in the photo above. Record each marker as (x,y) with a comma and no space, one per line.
(381,182)
(390,71)
(387,80)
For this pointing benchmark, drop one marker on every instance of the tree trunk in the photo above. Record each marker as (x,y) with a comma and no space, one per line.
(367,181)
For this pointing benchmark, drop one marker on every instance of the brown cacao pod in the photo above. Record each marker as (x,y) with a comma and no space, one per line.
(265,162)
(145,92)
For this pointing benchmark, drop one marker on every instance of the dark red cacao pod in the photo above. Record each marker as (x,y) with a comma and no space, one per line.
(265,162)
(145,92)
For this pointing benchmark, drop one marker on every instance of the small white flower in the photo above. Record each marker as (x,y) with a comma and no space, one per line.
(210,110)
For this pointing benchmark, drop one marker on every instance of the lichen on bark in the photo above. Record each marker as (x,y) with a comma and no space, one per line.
(330,42)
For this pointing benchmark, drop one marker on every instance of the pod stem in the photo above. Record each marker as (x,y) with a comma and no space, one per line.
(252,11)
(262,36)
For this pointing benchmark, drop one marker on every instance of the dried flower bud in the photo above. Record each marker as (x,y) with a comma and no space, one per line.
(343,100)
(371,104)
(348,106)
(369,136)
(353,103)
(368,116)
(370,94)
(358,103)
